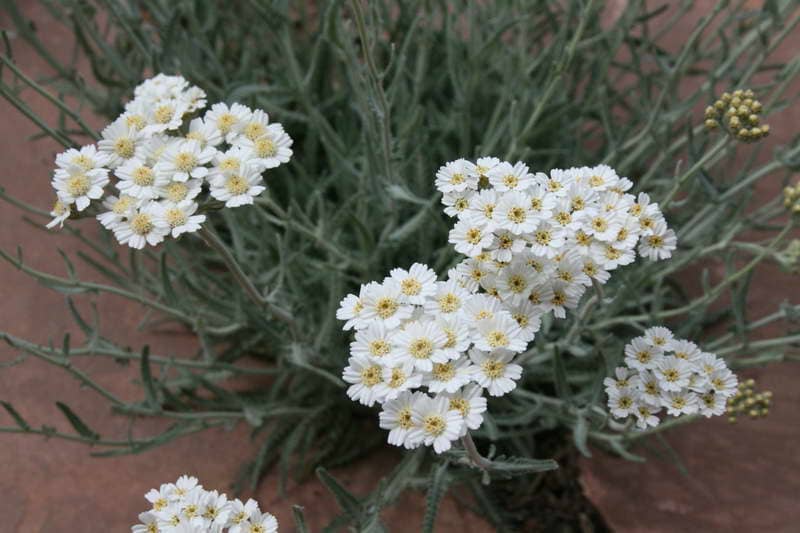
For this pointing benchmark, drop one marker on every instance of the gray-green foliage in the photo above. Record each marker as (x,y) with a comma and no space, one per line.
(377,96)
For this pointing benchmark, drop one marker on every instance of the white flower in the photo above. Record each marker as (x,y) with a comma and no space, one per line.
(448,299)
(80,187)
(204,133)
(470,404)
(646,415)
(241,514)
(60,213)
(139,180)
(141,228)
(622,401)
(498,332)
(119,209)
(456,202)
(149,523)
(228,120)
(397,418)
(85,158)
(660,243)
(514,282)
(365,376)
(178,191)
(120,142)
(494,371)
(398,378)
(238,187)
(547,240)
(183,159)
(673,374)
(434,423)
(457,175)
(513,213)
(164,115)
(178,217)
(374,341)
(658,337)
(641,355)
(416,283)
(679,402)
(458,335)
(350,309)
(383,303)
(710,403)
(481,210)
(470,239)
(449,376)
(263,523)
(269,150)
(505,177)
(421,343)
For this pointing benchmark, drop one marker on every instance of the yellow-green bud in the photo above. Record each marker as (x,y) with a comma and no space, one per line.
(711,124)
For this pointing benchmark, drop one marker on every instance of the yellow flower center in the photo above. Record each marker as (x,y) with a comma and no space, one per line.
(563,218)
(517,283)
(505,241)
(176,217)
(497,339)
(459,404)
(612,253)
(78,185)
(420,348)
(397,379)
(185,161)
(237,184)
(443,371)
(461,204)
(473,235)
(451,338)
(142,224)
(599,224)
(671,375)
(449,303)
(177,191)
(122,205)
(596,181)
(488,211)
(225,122)
(510,181)
(136,122)
(59,208)
(553,185)
(578,203)
(379,348)
(493,369)
(410,287)
(644,357)
(371,375)
(457,179)
(386,307)
(434,425)
(254,130)
(124,147)
(542,237)
(143,176)
(655,241)
(229,163)
(625,402)
(521,319)
(404,418)
(516,215)
(559,298)
(83,161)
(651,388)
(265,147)
(163,114)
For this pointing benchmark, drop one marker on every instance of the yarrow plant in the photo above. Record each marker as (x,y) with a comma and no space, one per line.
(534,242)
(165,162)
(505,318)
(186,507)
(665,373)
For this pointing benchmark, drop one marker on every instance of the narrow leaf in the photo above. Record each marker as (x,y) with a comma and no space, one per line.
(76,422)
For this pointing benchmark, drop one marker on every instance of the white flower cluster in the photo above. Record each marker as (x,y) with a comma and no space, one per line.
(662,372)
(534,243)
(164,159)
(536,240)
(186,507)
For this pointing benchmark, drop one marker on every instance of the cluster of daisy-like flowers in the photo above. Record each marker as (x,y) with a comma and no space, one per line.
(186,507)
(665,373)
(164,160)
(428,350)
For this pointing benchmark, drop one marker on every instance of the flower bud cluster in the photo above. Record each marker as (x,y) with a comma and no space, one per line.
(748,402)
(740,112)
(164,161)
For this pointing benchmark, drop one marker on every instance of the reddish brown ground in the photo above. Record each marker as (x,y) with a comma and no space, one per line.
(740,478)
